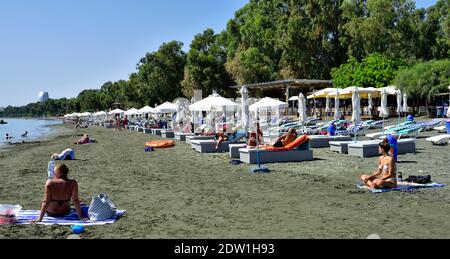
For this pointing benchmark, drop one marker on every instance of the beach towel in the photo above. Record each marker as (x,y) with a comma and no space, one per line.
(25,216)
(403,186)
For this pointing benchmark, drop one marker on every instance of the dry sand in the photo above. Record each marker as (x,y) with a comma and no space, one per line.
(178,193)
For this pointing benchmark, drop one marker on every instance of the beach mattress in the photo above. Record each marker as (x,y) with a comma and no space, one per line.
(439,140)
(167,134)
(249,156)
(182,136)
(209,146)
(191,138)
(324,141)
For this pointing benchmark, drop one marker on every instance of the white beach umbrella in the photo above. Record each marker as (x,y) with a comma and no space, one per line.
(166,108)
(294,98)
(399,102)
(147,110)
(337,112)
(383,109)
(302,109)
(245,117)
(116,111)
(132,111)
(214,102)
(328,105)
(370,104)
(405,107)
(390,90)
(356,102)
(268,103)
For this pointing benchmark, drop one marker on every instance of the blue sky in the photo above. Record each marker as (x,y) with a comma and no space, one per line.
(65,46)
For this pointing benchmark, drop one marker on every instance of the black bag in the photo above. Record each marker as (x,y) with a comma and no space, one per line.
(419,179)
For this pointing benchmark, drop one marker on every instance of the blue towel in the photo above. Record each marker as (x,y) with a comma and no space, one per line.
(25,216)
(401,187)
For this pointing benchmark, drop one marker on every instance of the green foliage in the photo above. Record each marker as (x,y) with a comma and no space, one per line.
(374,71)
(425,80)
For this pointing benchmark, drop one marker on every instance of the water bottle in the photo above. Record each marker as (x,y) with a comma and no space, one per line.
(51,169)
(400,177)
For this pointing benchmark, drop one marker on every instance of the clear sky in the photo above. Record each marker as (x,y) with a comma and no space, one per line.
(66,46)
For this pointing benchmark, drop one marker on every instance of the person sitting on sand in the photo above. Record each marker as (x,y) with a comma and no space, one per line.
(286,139)
(58,193)
(68,154)
(83,140)
(385,175)
(24,135)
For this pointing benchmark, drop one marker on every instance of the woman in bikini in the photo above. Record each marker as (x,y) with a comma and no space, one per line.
(385,176)
(286,139)
(58,193)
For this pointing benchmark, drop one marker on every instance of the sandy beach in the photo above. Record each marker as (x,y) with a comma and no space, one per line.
(179,193)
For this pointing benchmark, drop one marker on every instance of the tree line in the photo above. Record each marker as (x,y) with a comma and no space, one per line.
(352,42)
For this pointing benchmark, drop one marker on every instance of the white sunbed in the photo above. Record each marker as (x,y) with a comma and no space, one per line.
(441,129)
(441,140)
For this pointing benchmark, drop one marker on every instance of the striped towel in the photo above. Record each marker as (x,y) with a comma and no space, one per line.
(25,216)
(403,186)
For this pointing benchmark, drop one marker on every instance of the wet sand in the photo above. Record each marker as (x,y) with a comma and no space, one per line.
(178,193)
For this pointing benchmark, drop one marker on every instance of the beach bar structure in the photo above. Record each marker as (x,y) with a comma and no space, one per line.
(284,87)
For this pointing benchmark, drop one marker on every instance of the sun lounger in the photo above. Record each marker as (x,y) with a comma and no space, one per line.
(403,186)
(209,146)
(25,216)
(324,141)
(297,151)
(200,137)
(441,129)
(234,149)
(371,149)
(441,140)
(167,134)
(180,136)
(342,146)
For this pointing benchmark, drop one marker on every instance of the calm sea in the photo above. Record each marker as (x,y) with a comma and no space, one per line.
(37,129)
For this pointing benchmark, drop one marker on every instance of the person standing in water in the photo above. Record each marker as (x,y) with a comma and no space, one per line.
(24,135)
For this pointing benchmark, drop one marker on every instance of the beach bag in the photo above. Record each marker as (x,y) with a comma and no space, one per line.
(101,208)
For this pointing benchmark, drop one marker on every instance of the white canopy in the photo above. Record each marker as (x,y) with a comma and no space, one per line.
(214,102)
(132,111)
(390,90)
(85,114)
(268,103)
(147,110)
(294,98)
(166,108)
(98,114)
(116,111)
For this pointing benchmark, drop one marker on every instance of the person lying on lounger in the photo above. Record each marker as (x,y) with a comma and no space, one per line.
(222,136)
(58,193)
(286,139)
(385,175)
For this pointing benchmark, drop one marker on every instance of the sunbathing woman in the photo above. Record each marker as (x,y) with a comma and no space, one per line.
(58,193)
(83,140)
(385,176)
(223,136)
(286,139)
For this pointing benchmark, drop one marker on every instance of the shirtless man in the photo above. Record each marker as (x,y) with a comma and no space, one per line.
(286,139)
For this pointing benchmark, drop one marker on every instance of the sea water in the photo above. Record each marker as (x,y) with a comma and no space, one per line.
(37,129)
